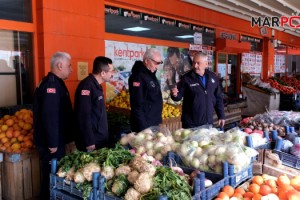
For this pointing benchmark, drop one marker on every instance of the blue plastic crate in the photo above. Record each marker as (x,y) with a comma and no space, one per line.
(286,158)
(240,177)
(200,192)
(58,194)
(58,183)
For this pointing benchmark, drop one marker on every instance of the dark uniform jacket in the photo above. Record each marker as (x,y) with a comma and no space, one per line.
(90,113)
(199,102)
(145,98)
(53,115)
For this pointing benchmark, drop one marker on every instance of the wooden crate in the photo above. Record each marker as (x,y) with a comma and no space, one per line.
(173,124)
(21,176)
(275,171)
(257,167)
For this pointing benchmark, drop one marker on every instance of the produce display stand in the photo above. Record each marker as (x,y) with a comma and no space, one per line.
(61,188)
(21,175)
(259,101)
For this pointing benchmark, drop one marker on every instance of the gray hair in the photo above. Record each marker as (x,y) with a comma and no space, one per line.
(57,57)
(149,54)
(201,55)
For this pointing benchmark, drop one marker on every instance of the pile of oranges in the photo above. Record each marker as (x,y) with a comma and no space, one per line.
(16,132)
(265,187)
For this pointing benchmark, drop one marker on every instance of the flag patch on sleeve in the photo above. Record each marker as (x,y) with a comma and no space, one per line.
(85,92)
(136,84)
(51,90)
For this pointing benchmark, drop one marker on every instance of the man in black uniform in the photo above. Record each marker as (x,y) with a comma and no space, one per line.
(145,93)
(90,111)
(201,95)
(53,114)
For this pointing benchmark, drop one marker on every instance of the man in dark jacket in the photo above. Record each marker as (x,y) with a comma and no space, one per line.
(201,95)
(53,116)
(90,111)
(145,93)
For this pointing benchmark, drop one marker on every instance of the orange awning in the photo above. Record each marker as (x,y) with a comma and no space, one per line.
(232,46)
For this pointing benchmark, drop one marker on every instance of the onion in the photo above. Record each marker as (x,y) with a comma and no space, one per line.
(195,163)
(149,145)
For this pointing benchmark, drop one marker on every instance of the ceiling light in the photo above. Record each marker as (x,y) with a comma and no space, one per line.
(136,29)
(184,36)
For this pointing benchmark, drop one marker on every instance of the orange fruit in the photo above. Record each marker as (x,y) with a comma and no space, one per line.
(16,127)
(265,190)
(274,190)
(4,140)
(223,195)
(16,134)
(6,117)
(2,135)
(283,180)
(9,133)
(293,195)
(271,183)
(248,195)
(13,140)
(7,144)
(239,190)
(256,197)
(284,188)
(258,180)
(297,187)
(28,144)
(1,121)
(282,195)
(9,122)
(228,190)
(15,146)
(27,126)
(295,181)
(254,188)
(21,123)
(4,127)
(20,138)
(237,195)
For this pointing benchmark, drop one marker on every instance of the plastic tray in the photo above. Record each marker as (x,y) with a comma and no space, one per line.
(286,158)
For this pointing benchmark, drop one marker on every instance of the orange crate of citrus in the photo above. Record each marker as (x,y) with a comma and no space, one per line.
(16,132)
(264,187)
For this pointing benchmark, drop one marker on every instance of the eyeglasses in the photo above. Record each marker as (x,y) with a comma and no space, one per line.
(156,62)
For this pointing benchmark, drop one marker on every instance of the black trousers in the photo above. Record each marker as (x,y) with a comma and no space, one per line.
(45,160)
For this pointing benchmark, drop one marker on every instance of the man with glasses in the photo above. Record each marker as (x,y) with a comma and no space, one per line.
(90,111)
(201,95)
(145,93)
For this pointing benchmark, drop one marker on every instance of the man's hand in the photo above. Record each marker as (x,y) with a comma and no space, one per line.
(53,150)
(221,122)
(91,148)
(174,91)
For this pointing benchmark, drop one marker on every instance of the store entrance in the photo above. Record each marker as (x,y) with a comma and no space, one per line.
(228,73)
